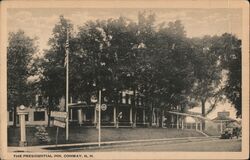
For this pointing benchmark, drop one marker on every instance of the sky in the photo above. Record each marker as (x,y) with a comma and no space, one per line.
(197,22)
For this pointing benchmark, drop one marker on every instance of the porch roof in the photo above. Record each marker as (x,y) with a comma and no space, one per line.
(189,114)
(224,118)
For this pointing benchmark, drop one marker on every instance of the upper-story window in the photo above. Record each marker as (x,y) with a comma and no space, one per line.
(39,116)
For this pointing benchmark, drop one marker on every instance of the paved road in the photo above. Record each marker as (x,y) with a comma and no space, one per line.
(213,145)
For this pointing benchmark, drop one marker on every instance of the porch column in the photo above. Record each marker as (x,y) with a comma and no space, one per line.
(221,127)
(134,124)
(130,116)
(172,120)
(153,117)
(84,116)
(177,121)
(71,114)
(162,119)
(201,126)
(182,123)
(157,118)
(114,114)
(143,116)
(94,115)
(196,126)
(80,116)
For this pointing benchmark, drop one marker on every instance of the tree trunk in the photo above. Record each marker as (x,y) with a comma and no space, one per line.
(203,113)
(162,118)
(48,110)
(151,114)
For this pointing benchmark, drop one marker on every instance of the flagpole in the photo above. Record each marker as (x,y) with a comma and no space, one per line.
(67,85)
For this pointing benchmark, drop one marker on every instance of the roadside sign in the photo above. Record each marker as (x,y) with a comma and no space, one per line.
(104,107)
(59,123)
(58,114)
(93,99)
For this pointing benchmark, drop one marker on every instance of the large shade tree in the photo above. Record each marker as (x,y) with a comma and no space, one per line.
(52,65)
(230,50)
(20,50)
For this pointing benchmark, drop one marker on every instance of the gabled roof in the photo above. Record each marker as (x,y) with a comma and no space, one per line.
(224,118)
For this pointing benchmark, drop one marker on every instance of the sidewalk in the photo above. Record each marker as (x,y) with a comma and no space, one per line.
(51,148)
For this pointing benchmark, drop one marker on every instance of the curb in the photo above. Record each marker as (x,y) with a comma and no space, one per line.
(95,144)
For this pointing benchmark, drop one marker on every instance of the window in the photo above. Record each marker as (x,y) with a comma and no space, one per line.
(10,116)
(39,116)
(40,100)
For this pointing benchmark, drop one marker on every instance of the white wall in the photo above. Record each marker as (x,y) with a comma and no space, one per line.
(31,117)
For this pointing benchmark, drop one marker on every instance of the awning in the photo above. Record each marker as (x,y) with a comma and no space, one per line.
(81,105)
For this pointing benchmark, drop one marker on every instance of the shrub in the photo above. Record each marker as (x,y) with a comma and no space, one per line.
(42,135)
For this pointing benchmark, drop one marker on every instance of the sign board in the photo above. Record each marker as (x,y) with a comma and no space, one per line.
(223,114)
(58,114)
(104,107)
(93,99)
(59,123)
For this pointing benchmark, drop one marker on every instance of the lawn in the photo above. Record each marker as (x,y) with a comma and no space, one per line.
(83,134)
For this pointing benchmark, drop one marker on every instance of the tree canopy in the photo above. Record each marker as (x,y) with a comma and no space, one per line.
(20,50)
(158,61)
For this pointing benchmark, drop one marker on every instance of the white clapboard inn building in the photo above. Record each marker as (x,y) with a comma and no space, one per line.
(125,114)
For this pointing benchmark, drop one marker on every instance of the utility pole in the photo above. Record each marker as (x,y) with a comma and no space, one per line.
(99,115)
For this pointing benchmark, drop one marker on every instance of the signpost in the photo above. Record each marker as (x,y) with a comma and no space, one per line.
(58,114)
(59,121)
(99,107)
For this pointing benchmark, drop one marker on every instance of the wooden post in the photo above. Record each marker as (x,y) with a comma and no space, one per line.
(57,130)
(130,116)
(80,116)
